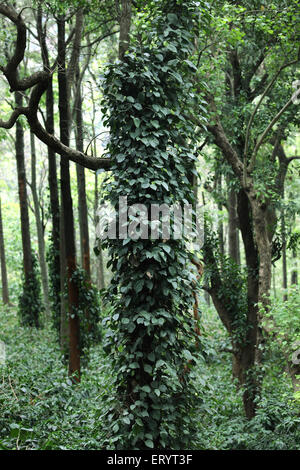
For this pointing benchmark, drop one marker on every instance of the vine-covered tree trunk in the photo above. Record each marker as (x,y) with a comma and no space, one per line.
(29,313)
(4,281)
(152,290)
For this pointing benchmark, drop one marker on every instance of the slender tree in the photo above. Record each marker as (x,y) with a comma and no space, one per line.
(39,225)
(5,293)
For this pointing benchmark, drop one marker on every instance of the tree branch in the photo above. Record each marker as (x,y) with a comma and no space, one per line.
(38,82)
(264,134)
(261,100)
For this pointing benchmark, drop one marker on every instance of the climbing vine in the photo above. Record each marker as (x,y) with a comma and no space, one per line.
(150,334)
(30,304)
(54,285)
(87,311)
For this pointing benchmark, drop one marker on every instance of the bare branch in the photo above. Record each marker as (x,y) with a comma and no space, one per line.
(264,134)
(221,140)
(288,64)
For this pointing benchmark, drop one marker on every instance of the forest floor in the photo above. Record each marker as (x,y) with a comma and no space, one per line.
(41,409)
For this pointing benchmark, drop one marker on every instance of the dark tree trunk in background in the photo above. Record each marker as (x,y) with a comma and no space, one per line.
(25,228)
(125,21)
(5,294)
(67,207)
(248,357)
(233,235)
(284,254)
(52,176)
(82,202)
(294,275)
(24,215)
(39,225)
(220,223)
(100,282)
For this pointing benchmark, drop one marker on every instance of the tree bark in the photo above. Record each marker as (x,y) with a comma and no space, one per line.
(39,226)
(81,188)
(233,237)
(5,293)
(294,275)
(25,225)
(67,207)
(52,174)
(284,254)
(125,21)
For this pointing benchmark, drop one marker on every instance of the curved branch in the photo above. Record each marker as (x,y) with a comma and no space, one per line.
(13,118)
(39,83)
(10,71)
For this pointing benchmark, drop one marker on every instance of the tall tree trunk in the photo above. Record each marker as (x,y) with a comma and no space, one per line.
(233,236)
(64,323)
(100,281)
(82,202)
(125,21)
(52,177)
(246,360)
(25,227)
(284,257)
(5,293)
(220,223)
(67,207)
(39,226)
(33,318)
(294,275)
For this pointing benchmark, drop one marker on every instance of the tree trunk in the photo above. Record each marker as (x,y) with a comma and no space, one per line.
(284,257)
(39,226)
(245,360)
(125,21)
(233,237)
(294,275)
(5,293)
(82,202)
(220,223)
(25,227)
(67,207)
(52,176)
(64,333)
(265,252)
